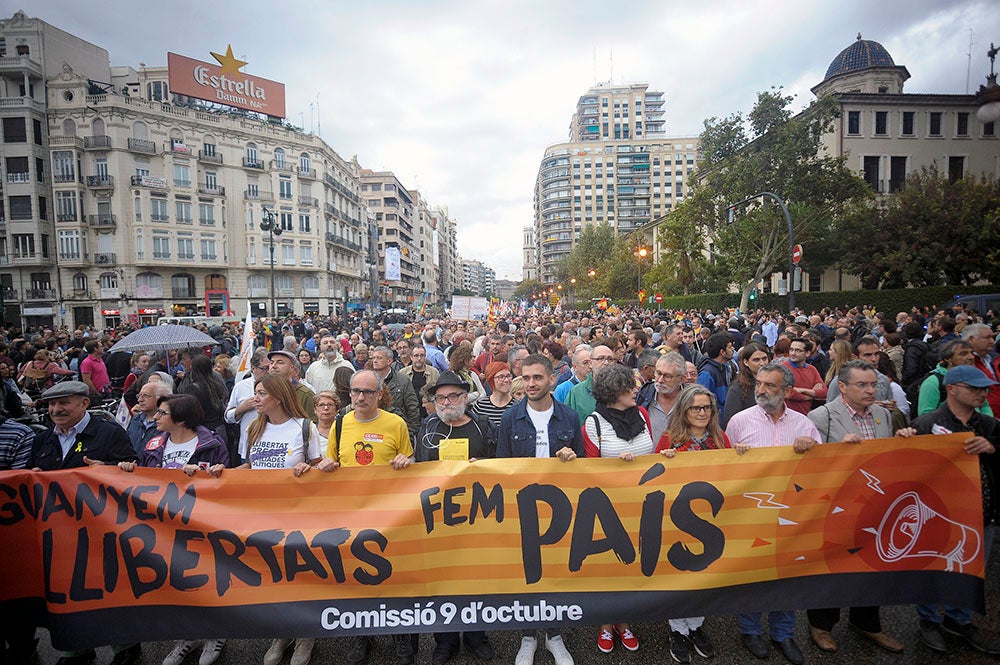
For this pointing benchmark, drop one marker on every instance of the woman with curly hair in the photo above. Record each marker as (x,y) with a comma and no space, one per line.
(460,362)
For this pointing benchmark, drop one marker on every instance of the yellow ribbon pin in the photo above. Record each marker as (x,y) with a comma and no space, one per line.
(79,446)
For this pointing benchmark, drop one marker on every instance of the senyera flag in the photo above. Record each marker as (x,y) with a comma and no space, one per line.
(101,556)
(246,346)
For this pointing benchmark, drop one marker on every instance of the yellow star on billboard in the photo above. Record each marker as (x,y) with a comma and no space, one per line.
(229,63)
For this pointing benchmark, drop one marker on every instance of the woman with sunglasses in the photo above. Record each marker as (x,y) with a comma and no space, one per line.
(694,425)
(185,444)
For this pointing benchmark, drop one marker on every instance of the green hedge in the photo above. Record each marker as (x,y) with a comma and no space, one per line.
(888,300)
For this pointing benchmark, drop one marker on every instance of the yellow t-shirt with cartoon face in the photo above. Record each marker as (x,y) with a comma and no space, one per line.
(370,443)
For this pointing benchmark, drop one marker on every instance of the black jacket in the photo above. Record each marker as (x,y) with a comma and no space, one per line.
(100,440)
(980,425)
(424,450)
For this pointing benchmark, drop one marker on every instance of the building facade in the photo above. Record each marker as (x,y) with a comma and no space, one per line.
(619,167)
(478,278)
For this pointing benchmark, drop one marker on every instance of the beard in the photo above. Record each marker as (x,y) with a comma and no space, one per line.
(665,390)
(770,403)
(451,412)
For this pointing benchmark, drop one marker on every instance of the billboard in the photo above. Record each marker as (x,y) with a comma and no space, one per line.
(225,84)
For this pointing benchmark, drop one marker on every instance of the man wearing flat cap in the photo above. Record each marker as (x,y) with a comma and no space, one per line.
(284,363)
(966,388)
(454,433)
(81,440)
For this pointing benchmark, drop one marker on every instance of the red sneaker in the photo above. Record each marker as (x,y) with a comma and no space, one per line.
(629,640)
(605,641)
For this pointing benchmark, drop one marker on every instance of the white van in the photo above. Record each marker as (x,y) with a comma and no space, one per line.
(197,320)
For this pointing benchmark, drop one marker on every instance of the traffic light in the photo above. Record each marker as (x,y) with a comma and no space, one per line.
(753,294)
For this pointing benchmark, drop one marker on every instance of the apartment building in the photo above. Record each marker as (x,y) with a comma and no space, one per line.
(618,167)
(478,278)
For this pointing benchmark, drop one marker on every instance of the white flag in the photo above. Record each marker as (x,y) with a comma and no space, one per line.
(246,347)
(123,415)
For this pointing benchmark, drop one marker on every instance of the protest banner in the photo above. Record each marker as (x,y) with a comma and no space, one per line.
(494,544)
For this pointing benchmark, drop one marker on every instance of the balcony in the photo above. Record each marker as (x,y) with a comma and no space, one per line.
(258,292)
(66,142)
(9,293)
(108,293)
(211,191)
(142,145)
(177,148)
(283,167)
(342,242)
(67,217)
(307,173)
(102,221)
(105,258)
(309,201)
(211,159)
(18,64)
(101,181)
(39,294)
(74,257)
(253,164)
(329,209)
(152,182)
(19,177)
(263,197)
(81,294)
(96,142)
(64,177)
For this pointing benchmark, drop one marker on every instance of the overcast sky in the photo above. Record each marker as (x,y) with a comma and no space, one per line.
(460,98)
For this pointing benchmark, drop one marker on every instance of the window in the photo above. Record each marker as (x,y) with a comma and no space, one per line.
(109,280)
(257,283)
(211,180)
(285,221)
(101,167)
(148,284)
(897,173)
(305,224)
(185,248)
(184,212)
(79,282)
(69,245)
(182,175)
(139,247)
(182,286)
(871,172)
(66,206)
(208,149)
(288,255)
(908,123)
(956,168)
(285,188)
(157,91)
(251,153)
(881,123)
(62,166)
(20,207)
(989,129)
(24,245)
(304,163)
(854,123)
(279,158)
(206,214)
(37,126)
(14,130)
(208,249)
(284,283)
(962,124)
(158,210)
(306,255)
(935,123)
(161,247)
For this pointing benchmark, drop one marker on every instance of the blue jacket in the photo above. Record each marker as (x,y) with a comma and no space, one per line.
(517,432)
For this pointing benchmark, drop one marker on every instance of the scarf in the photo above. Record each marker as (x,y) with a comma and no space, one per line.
(627,424)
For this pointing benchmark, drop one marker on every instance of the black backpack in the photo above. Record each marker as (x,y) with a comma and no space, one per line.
(913,391)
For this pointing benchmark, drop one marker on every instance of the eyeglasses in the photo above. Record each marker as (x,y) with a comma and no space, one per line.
(705,408)
(503,377)
(975,389)
(143,396)
(324,405)
(356,392)
(161,412)
(602,359)
(865,385)
(445,399)
(668,377)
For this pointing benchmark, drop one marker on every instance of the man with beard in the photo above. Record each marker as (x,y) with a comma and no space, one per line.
(452,433)
(320,373)
(771,423)
(539,426)
(668,377)
(420,373)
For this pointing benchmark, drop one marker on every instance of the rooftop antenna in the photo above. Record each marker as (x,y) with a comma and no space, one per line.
(968,67)
(611,64)
(318,118)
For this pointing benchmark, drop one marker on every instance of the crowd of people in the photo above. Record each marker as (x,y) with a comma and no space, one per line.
(322,394)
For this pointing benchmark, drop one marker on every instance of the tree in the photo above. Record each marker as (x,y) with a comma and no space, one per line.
(527,287)
(933,232)
(782,155)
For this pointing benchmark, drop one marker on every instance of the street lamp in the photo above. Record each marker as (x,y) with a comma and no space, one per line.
(640,253)
(989,94)
(273,230)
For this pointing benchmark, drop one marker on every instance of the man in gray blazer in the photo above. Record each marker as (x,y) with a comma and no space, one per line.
(852,417)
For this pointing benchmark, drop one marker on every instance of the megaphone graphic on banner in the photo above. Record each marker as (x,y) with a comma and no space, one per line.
(911,529)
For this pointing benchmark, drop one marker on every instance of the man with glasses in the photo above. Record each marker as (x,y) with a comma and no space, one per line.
(771,423)
(668,377)
(370,436)
(453,433)
(405,403)
(142,427)
(809,384)
(853,418)
(580,371)
(580,399)
(982,339)
(241,409)
(966,388)
(866,349)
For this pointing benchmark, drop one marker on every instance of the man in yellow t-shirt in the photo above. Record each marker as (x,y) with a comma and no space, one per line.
(369,435)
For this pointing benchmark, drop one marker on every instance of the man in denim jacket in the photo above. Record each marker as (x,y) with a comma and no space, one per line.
(539,426)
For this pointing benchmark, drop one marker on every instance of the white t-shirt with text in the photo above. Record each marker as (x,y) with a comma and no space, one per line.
(280,446)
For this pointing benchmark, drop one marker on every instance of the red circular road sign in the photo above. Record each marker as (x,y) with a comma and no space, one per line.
(659,297)
(796,254)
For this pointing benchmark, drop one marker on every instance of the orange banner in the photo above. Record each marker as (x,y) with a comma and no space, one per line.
(504,543)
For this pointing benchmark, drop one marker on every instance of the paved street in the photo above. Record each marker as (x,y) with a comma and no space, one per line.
(653,644)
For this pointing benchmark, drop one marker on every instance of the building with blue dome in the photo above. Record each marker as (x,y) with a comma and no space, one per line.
(863,67)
